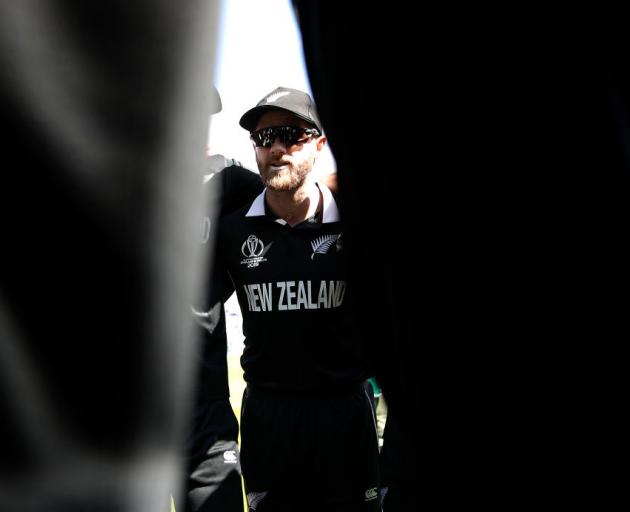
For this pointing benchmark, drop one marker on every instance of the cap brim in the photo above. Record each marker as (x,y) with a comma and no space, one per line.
(249,119)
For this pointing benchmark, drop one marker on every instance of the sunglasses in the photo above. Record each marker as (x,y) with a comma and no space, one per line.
(288,135)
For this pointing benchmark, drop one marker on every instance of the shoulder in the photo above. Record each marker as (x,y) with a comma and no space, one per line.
(232,223)
(237,175)
(240,186)
(249,214)
(233,184)
(216,164)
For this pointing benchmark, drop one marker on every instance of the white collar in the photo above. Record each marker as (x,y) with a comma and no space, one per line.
(330,213)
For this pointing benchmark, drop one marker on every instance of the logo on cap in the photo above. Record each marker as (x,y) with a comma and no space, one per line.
(276,95)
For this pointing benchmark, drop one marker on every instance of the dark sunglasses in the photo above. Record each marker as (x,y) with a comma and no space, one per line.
(288,135)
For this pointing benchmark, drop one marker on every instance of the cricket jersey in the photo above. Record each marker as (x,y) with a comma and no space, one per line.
(295,300)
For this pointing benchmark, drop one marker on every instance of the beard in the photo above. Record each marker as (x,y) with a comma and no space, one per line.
(288,179)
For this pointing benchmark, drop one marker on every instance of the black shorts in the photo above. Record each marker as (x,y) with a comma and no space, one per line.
(307,453)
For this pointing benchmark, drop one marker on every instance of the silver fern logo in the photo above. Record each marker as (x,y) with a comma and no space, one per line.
(275,96)
(254,498)
(322,244)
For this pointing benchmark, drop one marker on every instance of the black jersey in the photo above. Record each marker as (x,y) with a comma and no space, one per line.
(294,298)
(232,184)
(227,186)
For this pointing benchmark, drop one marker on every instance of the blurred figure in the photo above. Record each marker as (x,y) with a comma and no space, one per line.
(104,106)
(213,462)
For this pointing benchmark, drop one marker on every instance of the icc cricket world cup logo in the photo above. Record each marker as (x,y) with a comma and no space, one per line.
(252,247)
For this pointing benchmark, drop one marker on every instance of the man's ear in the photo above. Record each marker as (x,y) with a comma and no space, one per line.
(321,142)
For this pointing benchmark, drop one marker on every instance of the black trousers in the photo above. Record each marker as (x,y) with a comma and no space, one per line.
(213,480)
(309,452)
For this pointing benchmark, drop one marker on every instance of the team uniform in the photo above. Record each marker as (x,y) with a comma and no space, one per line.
(213,466)
(305,414)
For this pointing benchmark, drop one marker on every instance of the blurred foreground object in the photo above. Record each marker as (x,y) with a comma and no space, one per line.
(494,143)
(104,114)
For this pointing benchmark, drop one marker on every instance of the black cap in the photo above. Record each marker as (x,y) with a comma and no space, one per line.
(297,102)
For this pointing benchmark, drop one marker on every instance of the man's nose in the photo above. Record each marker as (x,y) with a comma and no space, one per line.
(278,146)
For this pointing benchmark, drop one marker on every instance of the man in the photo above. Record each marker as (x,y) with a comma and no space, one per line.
(213,478)
(308,439)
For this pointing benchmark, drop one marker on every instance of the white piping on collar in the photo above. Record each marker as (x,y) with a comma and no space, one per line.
(331,212)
